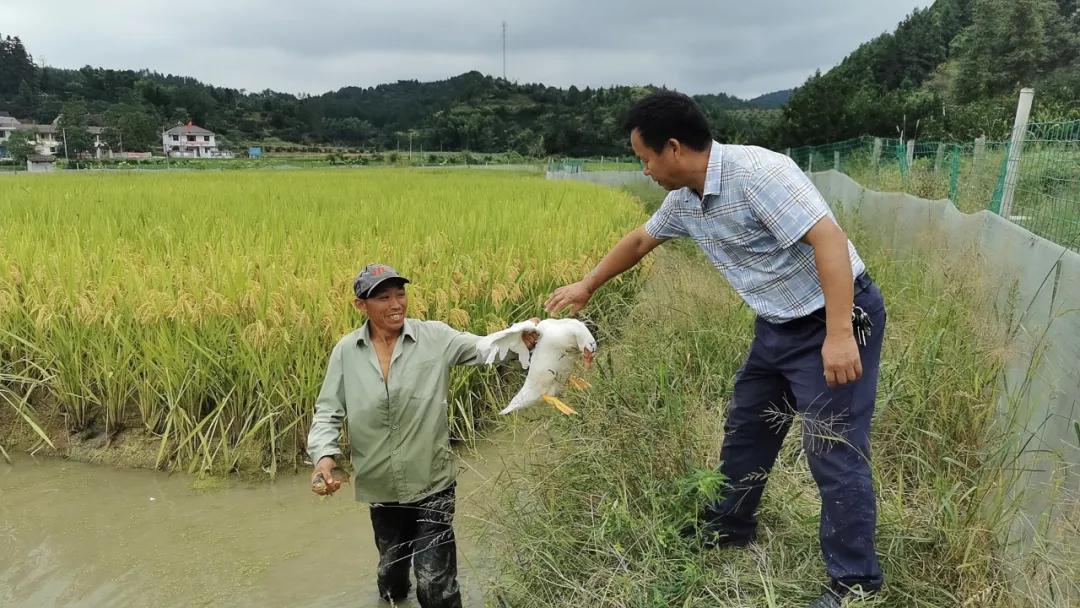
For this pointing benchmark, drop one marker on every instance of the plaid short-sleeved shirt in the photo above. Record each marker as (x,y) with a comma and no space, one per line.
(756,207)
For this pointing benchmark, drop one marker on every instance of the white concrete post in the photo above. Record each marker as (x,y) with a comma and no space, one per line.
(836,160)
(910,153)
(980,148)
(877,152)
(939,159)
(1016,148)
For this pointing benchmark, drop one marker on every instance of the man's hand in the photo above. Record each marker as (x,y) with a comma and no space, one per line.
(530,338)
(322,479)
(573,297)
(622,257)
(840,356)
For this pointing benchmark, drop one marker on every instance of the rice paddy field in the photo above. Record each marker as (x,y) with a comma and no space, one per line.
(199,308)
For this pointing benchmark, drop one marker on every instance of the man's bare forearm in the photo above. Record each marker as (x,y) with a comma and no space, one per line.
(834,270)
(622,257)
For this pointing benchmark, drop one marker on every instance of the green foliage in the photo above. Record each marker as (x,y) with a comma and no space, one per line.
(16,65)
(1010,44)
(131,128)
(950,71)
(73,123)
(20,145)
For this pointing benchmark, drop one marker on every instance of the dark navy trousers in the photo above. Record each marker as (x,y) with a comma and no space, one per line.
(782,375)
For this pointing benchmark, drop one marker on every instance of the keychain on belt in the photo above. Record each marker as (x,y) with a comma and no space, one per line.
(861,323)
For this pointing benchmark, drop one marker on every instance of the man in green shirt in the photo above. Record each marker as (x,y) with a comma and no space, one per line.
(389,380)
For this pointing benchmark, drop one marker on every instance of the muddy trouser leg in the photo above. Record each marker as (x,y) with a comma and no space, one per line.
(836,439)
(395,527)
(435,560)
(758,419)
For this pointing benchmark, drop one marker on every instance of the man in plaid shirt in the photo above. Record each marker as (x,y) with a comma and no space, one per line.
(818,333)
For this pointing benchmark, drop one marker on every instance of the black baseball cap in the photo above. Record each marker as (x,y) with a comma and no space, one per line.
(372,276)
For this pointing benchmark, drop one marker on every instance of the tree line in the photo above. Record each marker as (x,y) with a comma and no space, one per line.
(950,71)
(470,111)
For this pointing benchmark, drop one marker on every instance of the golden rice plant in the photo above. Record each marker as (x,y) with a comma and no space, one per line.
(201,308)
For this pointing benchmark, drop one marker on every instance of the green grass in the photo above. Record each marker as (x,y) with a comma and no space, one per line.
(595,521)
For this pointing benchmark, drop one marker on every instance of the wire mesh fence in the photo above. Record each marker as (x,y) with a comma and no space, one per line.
(1046,200)
(966,173)
(602,163)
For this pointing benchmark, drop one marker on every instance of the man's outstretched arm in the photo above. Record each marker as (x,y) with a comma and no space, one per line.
(622,257)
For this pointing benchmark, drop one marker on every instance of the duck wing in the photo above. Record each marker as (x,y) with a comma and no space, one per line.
(495,346)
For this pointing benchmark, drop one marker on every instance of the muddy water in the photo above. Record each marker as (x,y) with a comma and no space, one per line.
(73,534)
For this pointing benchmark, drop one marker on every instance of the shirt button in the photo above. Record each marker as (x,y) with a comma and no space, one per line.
(393,428)
(394,452)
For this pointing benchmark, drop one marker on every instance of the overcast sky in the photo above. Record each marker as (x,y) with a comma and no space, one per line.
(705,46)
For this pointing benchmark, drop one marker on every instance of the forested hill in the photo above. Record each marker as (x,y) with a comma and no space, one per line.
(950,71)
(470,111)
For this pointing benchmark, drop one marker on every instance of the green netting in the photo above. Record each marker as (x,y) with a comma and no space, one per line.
(565,166)
(1046,197)
(966,173)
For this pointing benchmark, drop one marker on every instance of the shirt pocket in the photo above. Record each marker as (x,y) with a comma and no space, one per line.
(422,380)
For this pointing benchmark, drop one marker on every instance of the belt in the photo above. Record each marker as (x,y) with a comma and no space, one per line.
(863,282)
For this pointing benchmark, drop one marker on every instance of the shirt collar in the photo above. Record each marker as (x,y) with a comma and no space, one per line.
(714,170)
(408,331)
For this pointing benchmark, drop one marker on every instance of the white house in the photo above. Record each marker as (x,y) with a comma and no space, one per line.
(191,141)
(8,125)
(187,141)
(49,138)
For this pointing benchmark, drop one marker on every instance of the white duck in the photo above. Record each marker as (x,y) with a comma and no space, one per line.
(550,361)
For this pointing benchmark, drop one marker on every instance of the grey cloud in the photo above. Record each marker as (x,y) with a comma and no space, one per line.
(743,48)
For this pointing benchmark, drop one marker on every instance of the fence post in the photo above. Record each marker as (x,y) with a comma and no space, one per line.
(1016,146)
(910,152)
(940,157)
(999,189)
(787,152)
(980,148)
(836,160)
(810,164)
(954,175)
(877,152)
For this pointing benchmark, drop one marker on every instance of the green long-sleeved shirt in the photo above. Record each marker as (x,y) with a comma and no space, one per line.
(398,430)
